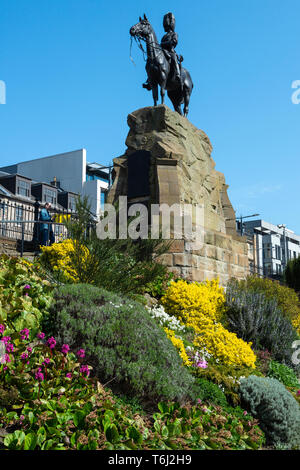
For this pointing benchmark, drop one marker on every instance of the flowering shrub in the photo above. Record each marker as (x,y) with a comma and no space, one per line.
(224,345)
(178,343)
(201,306)
(189,301)
(161,317)
(285,297)
(54,404)
(24,294)
(59,257)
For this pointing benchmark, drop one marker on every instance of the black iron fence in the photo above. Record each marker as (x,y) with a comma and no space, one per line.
(20,221)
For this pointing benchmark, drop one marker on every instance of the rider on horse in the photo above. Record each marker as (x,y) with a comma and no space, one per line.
(168,44)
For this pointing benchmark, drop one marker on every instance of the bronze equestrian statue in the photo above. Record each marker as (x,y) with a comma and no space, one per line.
(163,66)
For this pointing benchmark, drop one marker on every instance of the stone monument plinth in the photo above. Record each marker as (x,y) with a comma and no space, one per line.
(168,160)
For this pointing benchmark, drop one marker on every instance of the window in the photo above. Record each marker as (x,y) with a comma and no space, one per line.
(23,188)
(102,200)
(72,203)
(49,196)
(19,214)
(277,252)
(295,255)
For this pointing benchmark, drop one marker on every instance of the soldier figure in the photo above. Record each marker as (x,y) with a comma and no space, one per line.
(168,44)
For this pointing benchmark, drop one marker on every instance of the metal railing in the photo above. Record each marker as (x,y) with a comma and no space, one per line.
(20,221)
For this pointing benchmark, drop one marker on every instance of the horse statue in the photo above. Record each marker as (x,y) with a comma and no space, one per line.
(159,68)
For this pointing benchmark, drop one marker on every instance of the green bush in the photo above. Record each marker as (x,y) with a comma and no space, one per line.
(276,409)
(292,274)
(286,298)
(121,340)
(25,294)
(284,374)
(255,318)
(210,392)
(119,265)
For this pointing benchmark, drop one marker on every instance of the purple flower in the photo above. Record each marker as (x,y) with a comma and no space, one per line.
(51,342)
(2,328)
(41,335)
(202,364)
(22,417)
(46,361)
(24,333)
(24,356)
(65,348)
(5,359)
(85,370)
(9,347)
(69,375)
(298,393)
(6,339)
(39,375)
(29,350)
(81,353)
(27,286)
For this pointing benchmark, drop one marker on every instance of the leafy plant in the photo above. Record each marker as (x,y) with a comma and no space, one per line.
(276,409)
(285,297)
(292,274)
(122,341)
(24,294)
(284,374)
(210,392)
(255,318)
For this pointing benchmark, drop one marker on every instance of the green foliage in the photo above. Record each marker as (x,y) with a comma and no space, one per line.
(122,341)
(292,274)
(157,288)
(66,409)
(286,298)
(24,294)
(276,409)
(227,378)
(284,374)
(255,318)
(210,392)
(126,266)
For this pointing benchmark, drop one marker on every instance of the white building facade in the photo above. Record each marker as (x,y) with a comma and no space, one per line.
(71,172)
(273,246)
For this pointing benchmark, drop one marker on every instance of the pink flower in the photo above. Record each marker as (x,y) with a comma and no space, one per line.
(298,393)
(24,356)
(41,335)
(39,375)
(85,370)
(9,347)
(69,375)
(202,364)
(65,348)
(2,328)
(29,350)
(245,413)
(199,401)
(51,342)
(46,362)
(27,286)
(6,339)
(81,353)
(5,359)
(24,333)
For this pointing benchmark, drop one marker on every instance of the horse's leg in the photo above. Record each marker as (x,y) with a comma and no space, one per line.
(163,90)
(187,95)
(176,101)
(155,94)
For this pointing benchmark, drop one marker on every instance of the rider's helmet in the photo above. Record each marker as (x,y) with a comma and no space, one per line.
(169,22)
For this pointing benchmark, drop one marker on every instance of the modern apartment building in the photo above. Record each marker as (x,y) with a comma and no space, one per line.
(271,246)
(65,172)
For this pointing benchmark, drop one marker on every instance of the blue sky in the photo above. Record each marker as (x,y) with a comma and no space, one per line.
(71,84)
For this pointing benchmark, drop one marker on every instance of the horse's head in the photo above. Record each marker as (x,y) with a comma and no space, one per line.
(141,29)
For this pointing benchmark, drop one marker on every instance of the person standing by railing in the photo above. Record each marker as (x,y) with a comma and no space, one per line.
(46,228)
